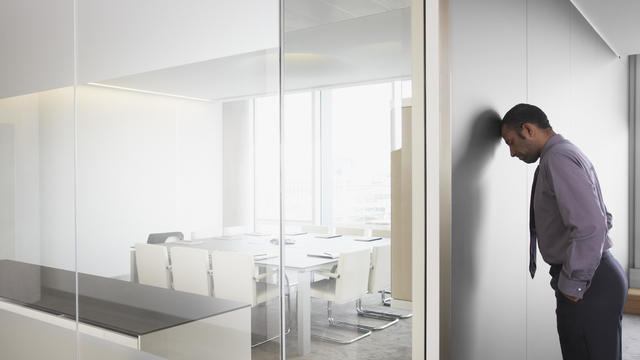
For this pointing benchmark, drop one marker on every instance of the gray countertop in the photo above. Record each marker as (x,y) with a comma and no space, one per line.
(116,305)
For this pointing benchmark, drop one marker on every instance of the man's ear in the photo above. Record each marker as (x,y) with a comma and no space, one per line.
(529,129)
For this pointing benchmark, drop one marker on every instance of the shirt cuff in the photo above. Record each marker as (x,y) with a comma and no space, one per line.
(575,288)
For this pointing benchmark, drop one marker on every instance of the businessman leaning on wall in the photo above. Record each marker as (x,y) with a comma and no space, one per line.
(570,223)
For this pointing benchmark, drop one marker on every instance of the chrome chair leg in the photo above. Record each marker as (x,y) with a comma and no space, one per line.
(363,311)
(391,320)
(344,325)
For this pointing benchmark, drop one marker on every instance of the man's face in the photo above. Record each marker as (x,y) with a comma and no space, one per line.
(521,144)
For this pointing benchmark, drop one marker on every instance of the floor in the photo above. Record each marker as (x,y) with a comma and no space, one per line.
(631,337)
(391,343)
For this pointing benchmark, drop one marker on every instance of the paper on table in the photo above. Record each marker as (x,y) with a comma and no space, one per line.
(326,255)
(295,233)
(328,236)
(368,239)
(264,256)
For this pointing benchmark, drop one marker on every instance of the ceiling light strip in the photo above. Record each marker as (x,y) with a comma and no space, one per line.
(150,92)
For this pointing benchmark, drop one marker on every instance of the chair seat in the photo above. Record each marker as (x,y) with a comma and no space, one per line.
(324,289)
(266,292)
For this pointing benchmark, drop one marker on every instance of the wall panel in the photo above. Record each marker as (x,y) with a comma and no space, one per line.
(503,53)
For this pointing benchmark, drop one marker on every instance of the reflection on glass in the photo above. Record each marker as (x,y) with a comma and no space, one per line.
(37,220)
(168,173)
(344,67)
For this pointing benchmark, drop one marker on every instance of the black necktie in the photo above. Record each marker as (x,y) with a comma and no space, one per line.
(532,228)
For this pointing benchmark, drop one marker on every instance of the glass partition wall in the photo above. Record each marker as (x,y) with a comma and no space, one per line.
(345,67)
(168,172)
(149,181)
(37,242)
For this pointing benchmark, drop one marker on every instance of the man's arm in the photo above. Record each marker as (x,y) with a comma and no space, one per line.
(581,212)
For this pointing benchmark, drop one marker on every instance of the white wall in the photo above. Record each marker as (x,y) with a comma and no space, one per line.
(21,113)
(503,53)
(7,184)
(56,172)
(146,163)
(238,163)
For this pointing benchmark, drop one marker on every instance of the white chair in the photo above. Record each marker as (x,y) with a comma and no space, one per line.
(347,283)
(235,278)
(381,233)
(315,229)
(379,281)
(234,230)
(350,231)
(191,270)
(205,234)
(152,265)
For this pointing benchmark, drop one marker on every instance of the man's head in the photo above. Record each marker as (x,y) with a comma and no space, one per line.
(525,128)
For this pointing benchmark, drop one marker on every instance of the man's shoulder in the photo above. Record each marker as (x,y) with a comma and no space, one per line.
(564,151)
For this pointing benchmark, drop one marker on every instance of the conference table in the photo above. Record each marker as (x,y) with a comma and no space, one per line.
(296,259)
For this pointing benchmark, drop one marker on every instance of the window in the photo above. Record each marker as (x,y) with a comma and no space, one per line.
(267,160)
(359,119)
(337,146)
(298,158)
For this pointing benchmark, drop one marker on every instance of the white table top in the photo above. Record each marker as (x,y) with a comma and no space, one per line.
(296,255)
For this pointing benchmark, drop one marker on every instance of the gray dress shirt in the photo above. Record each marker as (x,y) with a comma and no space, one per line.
(572,222)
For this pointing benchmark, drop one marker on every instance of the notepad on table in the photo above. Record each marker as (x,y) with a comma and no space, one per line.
(295,233)
(326,255)
(256,234)
(373,238)
(328,236)
(264,256)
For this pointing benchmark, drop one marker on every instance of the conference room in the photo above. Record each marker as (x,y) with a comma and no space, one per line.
(203,180)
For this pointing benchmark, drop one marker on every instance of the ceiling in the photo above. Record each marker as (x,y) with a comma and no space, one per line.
(302,14)
(616,21)
(343,50)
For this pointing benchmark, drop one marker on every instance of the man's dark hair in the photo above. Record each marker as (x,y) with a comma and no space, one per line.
(525,113)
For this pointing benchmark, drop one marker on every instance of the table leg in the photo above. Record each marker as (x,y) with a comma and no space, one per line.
(132,267)
(304,313)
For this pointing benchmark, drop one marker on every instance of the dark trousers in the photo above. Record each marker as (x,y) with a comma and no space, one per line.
(591,328)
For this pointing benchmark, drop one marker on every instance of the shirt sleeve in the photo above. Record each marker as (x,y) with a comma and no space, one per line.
(582,213)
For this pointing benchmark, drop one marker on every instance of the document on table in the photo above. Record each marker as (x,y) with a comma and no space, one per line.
(326,255)
(368,238)
(328,236)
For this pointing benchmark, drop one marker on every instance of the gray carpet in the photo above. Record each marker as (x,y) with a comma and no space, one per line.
(391,343)
(631,337)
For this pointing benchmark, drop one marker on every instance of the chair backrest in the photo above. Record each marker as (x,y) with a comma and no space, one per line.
(161,238)
(380,275)
(234,230)
(381,233)
(315,229)
(205,233)
(233,276)
(152,264)
(353,270)
(191,270)
(350,231)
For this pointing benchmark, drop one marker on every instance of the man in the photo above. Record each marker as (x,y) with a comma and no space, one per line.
(570,223)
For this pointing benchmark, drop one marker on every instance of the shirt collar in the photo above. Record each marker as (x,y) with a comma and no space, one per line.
(555,139)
